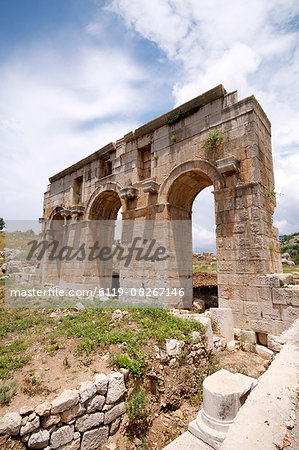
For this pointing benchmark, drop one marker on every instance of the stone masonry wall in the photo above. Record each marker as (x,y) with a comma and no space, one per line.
(77,419)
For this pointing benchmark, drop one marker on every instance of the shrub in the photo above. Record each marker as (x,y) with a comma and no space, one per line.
(138,412)
(214,139)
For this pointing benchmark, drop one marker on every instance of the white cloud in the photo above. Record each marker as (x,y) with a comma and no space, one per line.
(56,110)
(249,46)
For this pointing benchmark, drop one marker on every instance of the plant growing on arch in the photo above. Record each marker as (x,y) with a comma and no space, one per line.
(214,139)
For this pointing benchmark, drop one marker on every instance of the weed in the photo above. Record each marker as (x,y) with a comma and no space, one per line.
(213,140)
(66,362)
(7,392)
(86,361)
(173,137)
(181,115)
(138,412)
(136,366)
(271,247)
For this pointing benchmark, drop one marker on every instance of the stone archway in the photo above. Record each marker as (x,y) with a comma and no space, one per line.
(102,210)
(104,203)
(155,172)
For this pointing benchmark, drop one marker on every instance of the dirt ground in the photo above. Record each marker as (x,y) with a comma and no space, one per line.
(204,278)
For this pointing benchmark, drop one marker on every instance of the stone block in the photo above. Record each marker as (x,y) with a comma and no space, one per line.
(11,424)
(30,426)
(66,400)
(264,351)
(223,318)
(44,409)
(223,395)
(101,383)
(89,421)
(70,414)
(87,390)
(39,439)
(94,438)
(62,436)
(114,412)
(116,387)
(49,421)
(174,347)
(95,404)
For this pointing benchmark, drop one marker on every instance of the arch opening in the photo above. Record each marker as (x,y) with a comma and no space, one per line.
(188,203)
(183,191)
(105,206)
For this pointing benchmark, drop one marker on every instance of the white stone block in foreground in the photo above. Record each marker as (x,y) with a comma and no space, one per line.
(223,395)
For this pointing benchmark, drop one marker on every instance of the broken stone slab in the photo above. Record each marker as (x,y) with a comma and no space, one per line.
(87,390)
(30,426)
(101,383)
(174,347)
(114,426)
(115,412)
(66,400)
(70,414)
(39,439)
(79,307)
(11,424)
(116,387)
(62,436)
(195,337)
(25,410)
(273,343)
(264,351)
(231,345)
(44,409)
(223,395)
(94,438)
(223,317)
(49,421)
(89,421)
(117,314)
(284,278)
(95,404)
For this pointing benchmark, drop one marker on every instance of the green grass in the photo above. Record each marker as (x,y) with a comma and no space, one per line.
(7,392)
(92,330)
(290,269)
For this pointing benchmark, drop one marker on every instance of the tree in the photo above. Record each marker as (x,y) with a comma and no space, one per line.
(2,223)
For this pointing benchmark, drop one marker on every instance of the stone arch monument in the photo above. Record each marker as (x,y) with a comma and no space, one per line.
(155,172)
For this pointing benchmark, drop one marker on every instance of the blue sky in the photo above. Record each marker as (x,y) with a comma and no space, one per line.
(76,74)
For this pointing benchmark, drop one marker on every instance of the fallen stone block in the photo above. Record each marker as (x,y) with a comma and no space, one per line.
(264,351)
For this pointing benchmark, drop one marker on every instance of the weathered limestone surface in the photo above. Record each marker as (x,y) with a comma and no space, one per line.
(224,320)
(223,395)
(94,438)
(10,424)
(66,400)
(116,387)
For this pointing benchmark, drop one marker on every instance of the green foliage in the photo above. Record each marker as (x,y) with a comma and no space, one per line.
(270,193)
(271,247)
(213,140)
(86,347)
(137,407)
(173,137)
(7,392)
(12,357)
(181,115)
(135,365)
